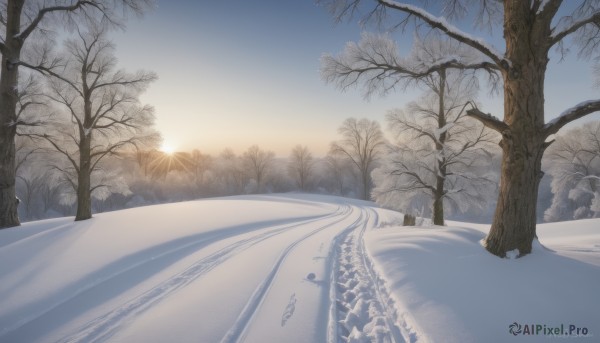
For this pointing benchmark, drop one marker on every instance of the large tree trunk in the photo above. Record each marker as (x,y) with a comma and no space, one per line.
(9,96)
(8,199)
(84,194)
(514,222)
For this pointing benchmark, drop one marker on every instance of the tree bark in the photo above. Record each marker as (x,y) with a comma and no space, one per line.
(438,195)
(84,194)
(8,199)
(523,142)
(8,104)
(438,208)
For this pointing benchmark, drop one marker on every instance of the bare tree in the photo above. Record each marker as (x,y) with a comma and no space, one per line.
(32,183)
(103,115)
(574,164)
(440,142)
(200,165)
(230,172)
(51,191)
(362,143)
(257,163)
(37,183)
(439,153)
(300,166)
(29,105)
(337,168)
(20,20)
(530,30)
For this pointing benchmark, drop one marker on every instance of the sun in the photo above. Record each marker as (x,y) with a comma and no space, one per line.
(167,149)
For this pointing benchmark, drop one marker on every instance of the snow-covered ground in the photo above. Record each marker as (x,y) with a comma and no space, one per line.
(288,268)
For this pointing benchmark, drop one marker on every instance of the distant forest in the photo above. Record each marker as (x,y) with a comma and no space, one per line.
(144,177)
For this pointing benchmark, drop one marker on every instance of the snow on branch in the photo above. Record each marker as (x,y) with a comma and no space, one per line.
(578,111)
(486,119)
(452,62)
(441,24)
(538,6)
(546,7)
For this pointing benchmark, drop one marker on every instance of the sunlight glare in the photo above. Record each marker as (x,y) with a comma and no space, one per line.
(167,149)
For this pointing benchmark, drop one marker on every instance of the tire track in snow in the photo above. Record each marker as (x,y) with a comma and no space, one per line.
(238,330)
(169,253)
(360,310)
(105,326)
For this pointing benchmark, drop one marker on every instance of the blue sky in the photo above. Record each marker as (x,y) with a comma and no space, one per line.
(237,73)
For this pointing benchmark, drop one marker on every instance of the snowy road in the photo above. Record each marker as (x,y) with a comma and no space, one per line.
(286,268)
(255,269)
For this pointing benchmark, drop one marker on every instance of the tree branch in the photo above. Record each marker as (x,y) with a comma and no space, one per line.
(68,176)
(111,150)
(559,36)
(97,186)
(546,8)
(451,31)
(44,70)
(578,111)
(36,21)
(59,149)
(416,179)
(376,61)
(144,78)
(486,119)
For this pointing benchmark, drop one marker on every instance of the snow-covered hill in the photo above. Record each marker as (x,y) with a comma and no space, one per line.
(294,268)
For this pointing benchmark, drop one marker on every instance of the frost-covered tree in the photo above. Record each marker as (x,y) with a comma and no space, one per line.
(200,165)
(574,164)
(50,193)
(199,168)
(30,183)
(440,153)
(258,163)
(300,166)
(39,186)
(530,29)
(101,114)
(20,22)
(336,170)
(376,64)
(362,144)
(441,143)
(231,176)
(145,159)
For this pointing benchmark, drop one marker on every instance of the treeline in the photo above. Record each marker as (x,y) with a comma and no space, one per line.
(569,189)
(137,178)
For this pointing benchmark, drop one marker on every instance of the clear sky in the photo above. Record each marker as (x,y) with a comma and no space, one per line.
(236,73)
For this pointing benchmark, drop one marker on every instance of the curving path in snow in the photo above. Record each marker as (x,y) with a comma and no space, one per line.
(240,269)
(288,268)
